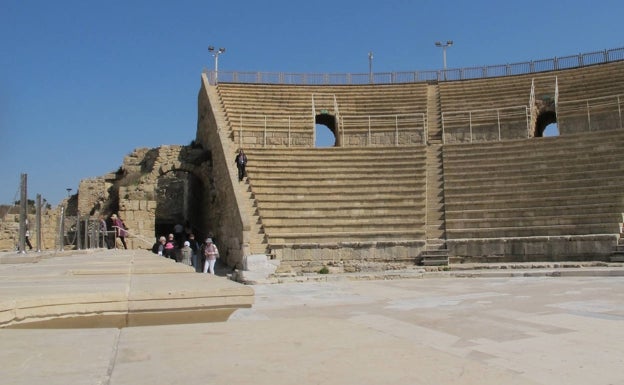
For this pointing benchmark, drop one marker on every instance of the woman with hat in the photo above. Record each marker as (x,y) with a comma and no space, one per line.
(211,253)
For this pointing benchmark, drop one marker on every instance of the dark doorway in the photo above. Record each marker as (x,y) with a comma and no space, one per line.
(325,131)
(546,119)
(178,201)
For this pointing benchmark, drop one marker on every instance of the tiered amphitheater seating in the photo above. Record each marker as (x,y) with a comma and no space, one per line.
(568,185)
(337,195)
(597,88)
(483,103)
(290,107)
(519,193)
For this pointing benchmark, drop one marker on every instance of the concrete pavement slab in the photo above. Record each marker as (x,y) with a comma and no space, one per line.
(544,329)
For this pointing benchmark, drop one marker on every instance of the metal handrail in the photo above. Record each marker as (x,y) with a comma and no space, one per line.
(451,74)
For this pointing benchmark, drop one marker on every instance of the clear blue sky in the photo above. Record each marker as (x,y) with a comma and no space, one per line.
(83,83)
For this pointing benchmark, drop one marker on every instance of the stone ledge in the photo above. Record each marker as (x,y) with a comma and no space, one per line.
(113,288)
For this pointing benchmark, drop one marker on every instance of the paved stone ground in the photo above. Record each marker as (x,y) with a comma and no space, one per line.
(432,330)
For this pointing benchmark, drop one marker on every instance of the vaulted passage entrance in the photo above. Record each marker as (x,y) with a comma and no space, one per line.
(546,124)
(325,131)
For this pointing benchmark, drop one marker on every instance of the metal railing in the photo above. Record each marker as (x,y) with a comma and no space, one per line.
(464,126)
(598,112)
(281,129)
(413,128)
(529,67)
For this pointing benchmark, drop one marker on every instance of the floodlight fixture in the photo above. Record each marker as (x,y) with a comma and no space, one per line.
(444,46)
(215,53)
(370,66)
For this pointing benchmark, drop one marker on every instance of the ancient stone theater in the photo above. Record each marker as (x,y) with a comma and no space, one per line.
(426,167)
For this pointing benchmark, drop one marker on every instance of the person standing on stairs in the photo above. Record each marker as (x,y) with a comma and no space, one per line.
(241,162)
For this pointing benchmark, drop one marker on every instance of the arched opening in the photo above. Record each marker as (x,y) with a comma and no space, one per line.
(325,131)
(551,130)
(546,119)
(179,197)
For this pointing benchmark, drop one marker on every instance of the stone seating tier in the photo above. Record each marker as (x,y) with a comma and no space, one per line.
(540,187)
(496,197)
(331,196)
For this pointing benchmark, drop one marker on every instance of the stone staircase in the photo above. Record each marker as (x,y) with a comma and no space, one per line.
(435,252)
(434,116)
(257,241)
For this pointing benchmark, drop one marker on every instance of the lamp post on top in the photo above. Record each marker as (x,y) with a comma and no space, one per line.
(370,67)
(216,53)
(444,46)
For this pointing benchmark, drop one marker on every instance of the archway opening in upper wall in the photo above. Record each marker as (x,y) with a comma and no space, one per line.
(325,131)
(546,124)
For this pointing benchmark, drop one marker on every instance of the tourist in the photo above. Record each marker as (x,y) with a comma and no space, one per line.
(27,235)
(195,258)
(211,253)
(120,230)
(159,246)
(241,162)
(170,247)
(187,253)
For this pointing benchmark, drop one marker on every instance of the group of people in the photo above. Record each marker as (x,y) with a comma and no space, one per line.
(180,245)
(185,249)
(113,229)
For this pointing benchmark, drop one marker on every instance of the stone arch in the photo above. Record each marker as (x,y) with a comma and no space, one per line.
(187,173)
(544,119)
(174,186)
(329,121)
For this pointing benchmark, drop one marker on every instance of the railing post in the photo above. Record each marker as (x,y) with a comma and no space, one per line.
(265,131)
(443,141)
(396,128)
(498,121)
(342,130)
(240,132)
(470,124)
(288,130)
(369,131)
(619,111)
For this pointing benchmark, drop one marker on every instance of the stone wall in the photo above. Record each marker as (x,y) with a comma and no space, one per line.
(350,256)
(93,193)
(531,249)
(231,224)
(9,230)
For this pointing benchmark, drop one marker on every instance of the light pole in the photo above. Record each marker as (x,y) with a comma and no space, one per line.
(216,53)
(370,67)
(444,47)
